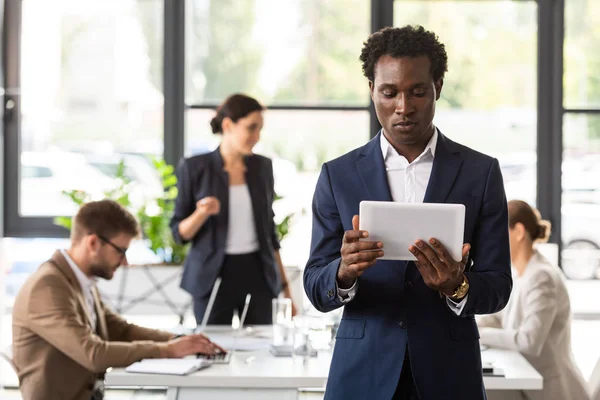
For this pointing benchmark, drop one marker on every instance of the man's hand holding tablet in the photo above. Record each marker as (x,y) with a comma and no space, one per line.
(438,269)
(357,255)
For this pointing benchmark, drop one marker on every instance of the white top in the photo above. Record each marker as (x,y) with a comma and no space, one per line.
(537,322)
(86,284)
(267,372)
(241,229)
(408,184)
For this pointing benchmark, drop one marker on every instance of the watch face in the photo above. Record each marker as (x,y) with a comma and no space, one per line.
(462,289)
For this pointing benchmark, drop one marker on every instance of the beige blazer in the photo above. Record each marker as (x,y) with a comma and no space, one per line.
(57,354)
(537,322)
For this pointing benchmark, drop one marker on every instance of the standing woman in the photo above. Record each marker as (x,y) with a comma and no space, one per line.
(537,318)
(224,207)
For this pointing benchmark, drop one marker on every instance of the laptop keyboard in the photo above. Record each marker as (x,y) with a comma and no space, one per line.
(222,358)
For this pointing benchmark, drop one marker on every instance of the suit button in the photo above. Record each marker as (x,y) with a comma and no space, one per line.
(330,293)
(402,324)
(408,284)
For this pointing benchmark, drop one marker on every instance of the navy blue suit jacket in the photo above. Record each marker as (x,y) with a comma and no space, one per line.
(201,176)
(393,308)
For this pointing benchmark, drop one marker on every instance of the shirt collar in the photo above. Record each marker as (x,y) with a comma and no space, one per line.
(85,282)
(388,150)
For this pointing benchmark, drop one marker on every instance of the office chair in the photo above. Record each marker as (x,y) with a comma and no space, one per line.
(594,382)
(7,355)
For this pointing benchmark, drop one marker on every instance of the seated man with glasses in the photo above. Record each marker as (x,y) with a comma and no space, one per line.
(64,337)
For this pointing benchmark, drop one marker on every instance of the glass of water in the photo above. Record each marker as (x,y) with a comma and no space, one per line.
(283,327)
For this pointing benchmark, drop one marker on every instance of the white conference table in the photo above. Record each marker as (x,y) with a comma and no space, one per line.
(258,375)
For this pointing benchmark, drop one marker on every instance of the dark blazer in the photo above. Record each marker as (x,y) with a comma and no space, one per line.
(202,176)
(393,307)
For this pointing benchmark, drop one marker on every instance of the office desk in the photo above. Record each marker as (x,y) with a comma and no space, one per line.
(260,376)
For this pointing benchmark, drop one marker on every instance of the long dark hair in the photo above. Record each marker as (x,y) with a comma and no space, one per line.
(235,107)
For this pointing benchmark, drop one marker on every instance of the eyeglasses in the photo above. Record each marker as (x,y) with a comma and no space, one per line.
(121,250)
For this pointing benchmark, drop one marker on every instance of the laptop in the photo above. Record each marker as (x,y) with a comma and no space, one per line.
(222,358)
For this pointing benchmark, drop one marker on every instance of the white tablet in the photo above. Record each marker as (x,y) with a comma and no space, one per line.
(399,225)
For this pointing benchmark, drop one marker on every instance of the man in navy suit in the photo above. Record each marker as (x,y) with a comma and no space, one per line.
(408,330)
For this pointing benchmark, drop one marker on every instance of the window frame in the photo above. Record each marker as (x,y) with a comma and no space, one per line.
(549,108)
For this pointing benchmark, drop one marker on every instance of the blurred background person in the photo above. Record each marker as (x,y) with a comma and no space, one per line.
(537,318)
(64,337)
(224,207)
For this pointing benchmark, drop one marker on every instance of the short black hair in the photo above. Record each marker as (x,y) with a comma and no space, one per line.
(407,41)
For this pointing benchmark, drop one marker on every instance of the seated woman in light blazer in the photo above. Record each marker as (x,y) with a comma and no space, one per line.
(224,207)
(537,318)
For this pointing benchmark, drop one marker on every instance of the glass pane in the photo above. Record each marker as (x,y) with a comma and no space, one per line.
(581,196)
(307,55)
(299,142)
(488,100)
(581,78)
(91,81)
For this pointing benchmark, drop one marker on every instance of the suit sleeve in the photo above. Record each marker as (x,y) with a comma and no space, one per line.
(121,330)
(539,312)
(275,237)
(490,321)
(321,269)
(490,277)
(184,203)
(54,317)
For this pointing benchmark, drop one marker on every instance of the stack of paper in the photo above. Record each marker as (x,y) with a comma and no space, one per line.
(241,343)
(168,366)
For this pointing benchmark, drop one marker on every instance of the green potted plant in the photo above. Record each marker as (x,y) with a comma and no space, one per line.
(154,215)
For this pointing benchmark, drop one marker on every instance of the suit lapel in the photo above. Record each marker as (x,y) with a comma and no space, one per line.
(102,330)
(61,263)
(371,169)
(446,165)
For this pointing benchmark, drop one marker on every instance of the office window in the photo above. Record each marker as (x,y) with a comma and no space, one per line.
(581,141)
(91,89)
(581,196)
(581,57)
(489,95)
(300,58)
(298,52)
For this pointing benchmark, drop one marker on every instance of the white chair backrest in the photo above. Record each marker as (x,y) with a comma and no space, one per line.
(7,355)
(594,382)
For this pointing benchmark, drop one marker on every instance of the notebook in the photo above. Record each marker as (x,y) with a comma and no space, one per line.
(168,366)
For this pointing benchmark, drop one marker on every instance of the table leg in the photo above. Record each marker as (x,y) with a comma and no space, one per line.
(172,393)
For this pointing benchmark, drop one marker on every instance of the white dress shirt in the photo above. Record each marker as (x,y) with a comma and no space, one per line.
(408,184)
(86,284)
(241,229)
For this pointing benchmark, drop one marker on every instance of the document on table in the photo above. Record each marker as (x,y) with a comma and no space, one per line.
(168,366)
(241,343)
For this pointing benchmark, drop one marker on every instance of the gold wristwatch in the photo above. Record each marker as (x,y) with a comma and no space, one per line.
(462,290)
